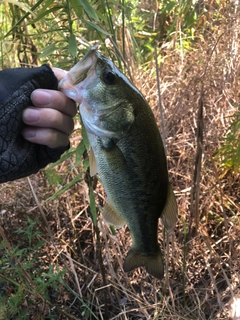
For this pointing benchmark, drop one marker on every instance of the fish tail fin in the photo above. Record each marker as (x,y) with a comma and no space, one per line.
(153,264)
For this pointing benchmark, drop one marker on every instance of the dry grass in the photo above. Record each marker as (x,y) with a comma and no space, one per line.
(202,274)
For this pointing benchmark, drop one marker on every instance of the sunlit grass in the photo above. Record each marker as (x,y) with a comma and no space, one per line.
(236,309)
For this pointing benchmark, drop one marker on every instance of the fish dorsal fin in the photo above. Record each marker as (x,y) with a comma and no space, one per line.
(169,215)
(92,163)
(153,264)
(111,216)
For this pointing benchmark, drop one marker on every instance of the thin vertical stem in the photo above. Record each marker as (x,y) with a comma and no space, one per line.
(123,29)
(159,99)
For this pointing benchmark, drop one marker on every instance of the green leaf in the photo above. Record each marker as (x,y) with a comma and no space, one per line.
(96,27)
(35,6)
(79,152)
(78,9)
(21,5)
(91,13)
(44,13)
(67,186)
(169,7)
(48,50)
(112,230)
(84,136)
(53,177)
(72,45)
(67,154)
(47,3)
(39,245)
(86,164)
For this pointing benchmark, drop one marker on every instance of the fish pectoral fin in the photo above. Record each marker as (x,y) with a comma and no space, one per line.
(92,163)
(111,216)
(153,264)
(169,215)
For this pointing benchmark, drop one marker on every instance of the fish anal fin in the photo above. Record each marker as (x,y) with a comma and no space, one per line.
(153,264)
(169,215)
(111,216)
(92,163)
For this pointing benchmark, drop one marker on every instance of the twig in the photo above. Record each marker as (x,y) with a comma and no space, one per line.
(194,209)
(159,99)
(195,191)
(43,215)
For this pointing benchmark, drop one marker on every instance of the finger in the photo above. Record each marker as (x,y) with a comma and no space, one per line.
(53,99)
(59,73)
(45,136)
(48,118)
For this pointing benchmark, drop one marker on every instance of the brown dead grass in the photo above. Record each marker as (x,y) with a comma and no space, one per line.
(202,271)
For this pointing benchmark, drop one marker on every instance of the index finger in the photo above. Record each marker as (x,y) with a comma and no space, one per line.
(45,98)
(59,73)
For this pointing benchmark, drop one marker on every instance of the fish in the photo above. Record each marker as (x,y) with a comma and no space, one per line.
(128,154)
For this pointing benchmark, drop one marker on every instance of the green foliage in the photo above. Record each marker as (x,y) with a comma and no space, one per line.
(29,232)
(229,153)
(60,31)
(24,279)
(79,5)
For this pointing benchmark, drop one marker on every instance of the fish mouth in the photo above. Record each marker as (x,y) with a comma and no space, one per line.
(80,71)
(73,83)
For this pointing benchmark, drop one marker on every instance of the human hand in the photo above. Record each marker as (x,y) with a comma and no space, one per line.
(50,120)
(46,135)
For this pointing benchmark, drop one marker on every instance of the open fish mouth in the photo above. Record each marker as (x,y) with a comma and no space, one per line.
(79,75)
(80,71)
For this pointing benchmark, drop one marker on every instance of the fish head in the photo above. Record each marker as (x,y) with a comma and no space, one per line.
(106,97)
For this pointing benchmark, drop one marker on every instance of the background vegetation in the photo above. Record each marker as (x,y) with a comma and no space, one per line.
(58,260)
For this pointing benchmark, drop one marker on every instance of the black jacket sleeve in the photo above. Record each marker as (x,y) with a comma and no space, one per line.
(18,157)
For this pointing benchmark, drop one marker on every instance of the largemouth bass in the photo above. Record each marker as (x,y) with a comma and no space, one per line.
(127,152)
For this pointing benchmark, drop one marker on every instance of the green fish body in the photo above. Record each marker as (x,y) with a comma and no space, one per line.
(128,153)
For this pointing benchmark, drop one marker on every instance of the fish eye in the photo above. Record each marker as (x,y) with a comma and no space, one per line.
(108,77)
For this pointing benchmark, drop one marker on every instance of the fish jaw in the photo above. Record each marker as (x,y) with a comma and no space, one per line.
(77,84)
(82,75)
